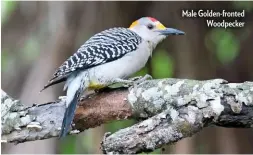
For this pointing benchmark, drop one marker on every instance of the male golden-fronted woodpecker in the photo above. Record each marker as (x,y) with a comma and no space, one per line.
(108,57)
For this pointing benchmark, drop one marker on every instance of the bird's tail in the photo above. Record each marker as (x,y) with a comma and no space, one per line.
(69,115)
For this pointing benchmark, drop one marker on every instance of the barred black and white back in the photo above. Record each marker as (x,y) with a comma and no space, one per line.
(104,47)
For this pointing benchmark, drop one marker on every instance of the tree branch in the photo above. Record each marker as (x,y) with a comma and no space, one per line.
(187,106)
(173,109)
(21,124)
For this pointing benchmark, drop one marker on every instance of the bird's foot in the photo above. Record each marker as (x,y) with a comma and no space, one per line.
(140,79)
(133,82)
(122,83)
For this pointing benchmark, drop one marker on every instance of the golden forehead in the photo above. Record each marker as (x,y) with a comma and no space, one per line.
(134,24)
(159,25)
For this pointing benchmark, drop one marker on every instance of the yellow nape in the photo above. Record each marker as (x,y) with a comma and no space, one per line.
(94,85)
(133,24)
(160,26)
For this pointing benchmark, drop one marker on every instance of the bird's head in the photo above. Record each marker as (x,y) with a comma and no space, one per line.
(152,30)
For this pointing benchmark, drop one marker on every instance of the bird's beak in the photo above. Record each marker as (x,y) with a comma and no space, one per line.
(170,31)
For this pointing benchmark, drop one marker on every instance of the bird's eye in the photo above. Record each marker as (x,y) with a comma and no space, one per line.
(150,26)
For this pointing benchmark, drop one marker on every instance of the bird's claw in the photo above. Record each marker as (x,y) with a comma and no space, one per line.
(132,82)
(142,78)
(138,80)
(135,78)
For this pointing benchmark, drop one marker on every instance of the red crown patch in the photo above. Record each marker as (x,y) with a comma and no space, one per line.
(152,19)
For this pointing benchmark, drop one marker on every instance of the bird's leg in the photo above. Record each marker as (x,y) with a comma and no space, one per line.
(135,81)
(115,84)
(135,78)
(121,83)
(141,79)
(125,83)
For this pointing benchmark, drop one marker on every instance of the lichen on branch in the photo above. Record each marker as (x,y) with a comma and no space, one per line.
(172,109)
(181,108)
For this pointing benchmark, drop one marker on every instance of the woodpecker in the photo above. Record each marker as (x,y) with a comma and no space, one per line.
(108,57)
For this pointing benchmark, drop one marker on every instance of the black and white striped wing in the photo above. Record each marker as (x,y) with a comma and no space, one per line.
(106,46)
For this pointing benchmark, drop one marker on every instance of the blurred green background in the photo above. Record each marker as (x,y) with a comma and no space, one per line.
(38,36)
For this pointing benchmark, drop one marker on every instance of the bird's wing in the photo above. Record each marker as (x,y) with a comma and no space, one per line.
(104,47)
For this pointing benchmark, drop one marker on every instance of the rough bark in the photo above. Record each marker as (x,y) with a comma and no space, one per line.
(175,108)
(21,124)
(187,106)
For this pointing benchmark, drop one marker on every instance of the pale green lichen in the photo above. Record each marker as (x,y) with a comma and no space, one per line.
(151,93)
(12,116)
(211,87)
(5,106)
(163,115)
(138,92)
(235,107)
(172,90)
(74,132)
(4,141)
(154,95)
(148,125)
(201,100)
(25,120)
(3,94)
(185,128)
(245,98)
(160,83)
(62,97)
(195,88)
(233,85)
(216,106)
(191,114)
(14,121)
(250,99)
(174,114)
(131,97)
(175,88)
(34,126)
(181,101)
